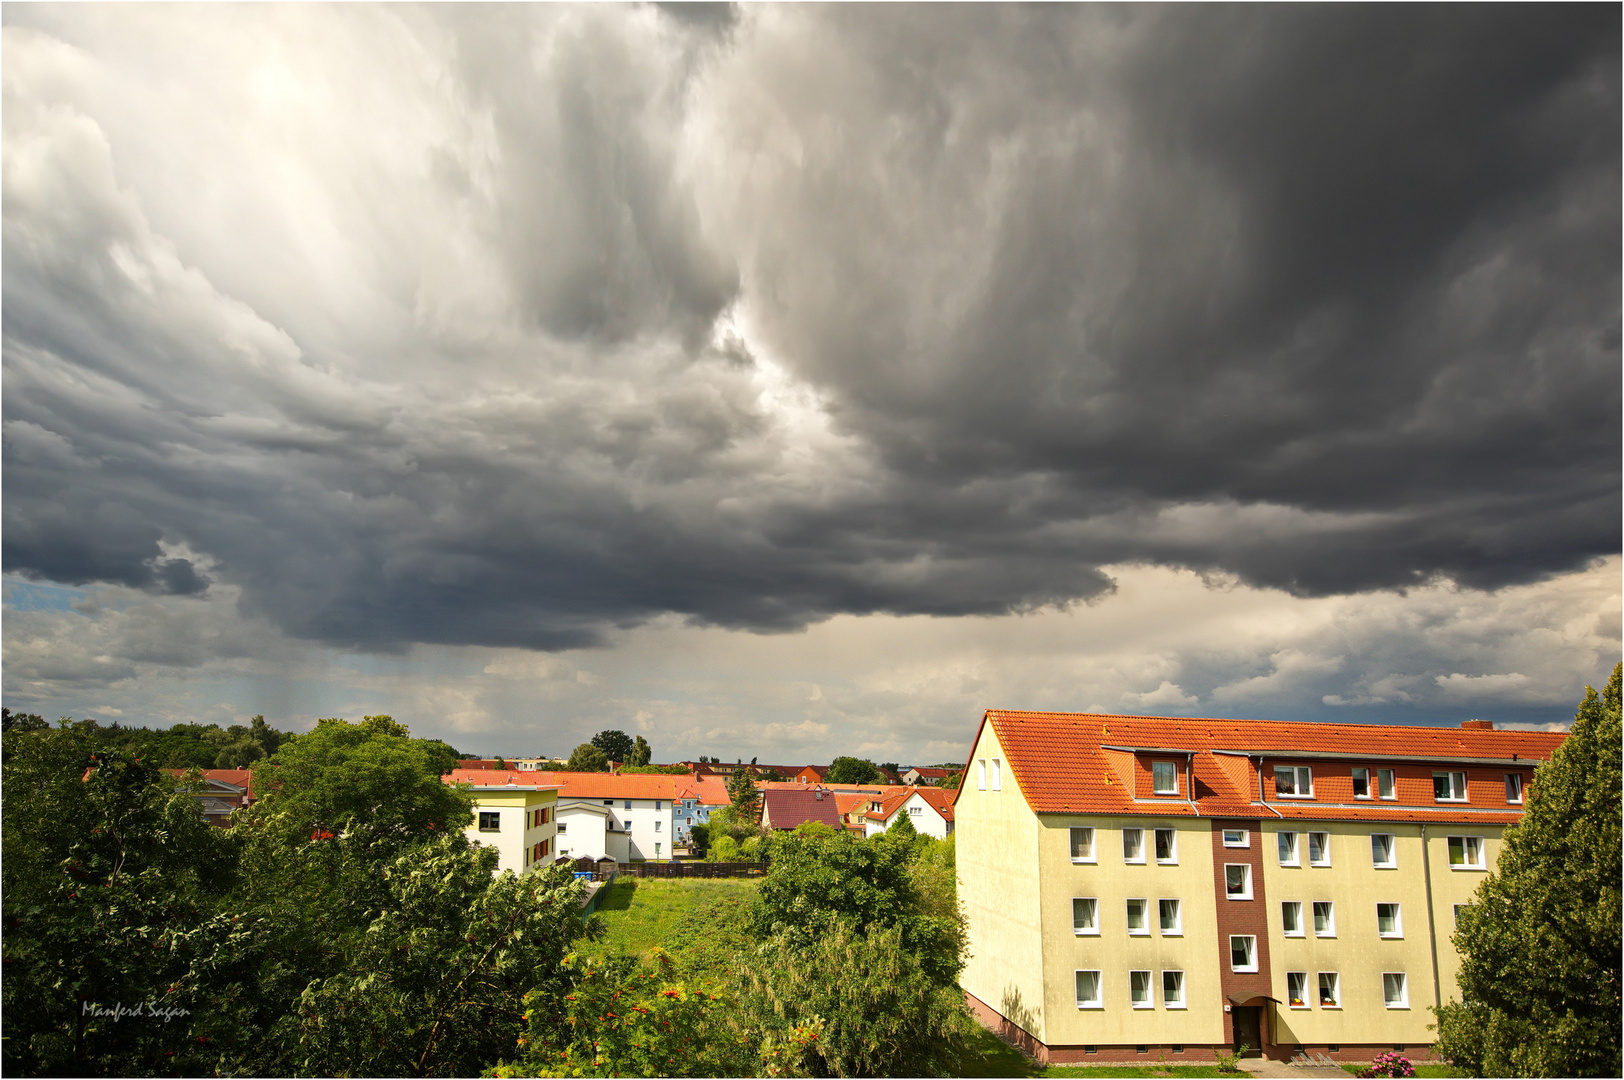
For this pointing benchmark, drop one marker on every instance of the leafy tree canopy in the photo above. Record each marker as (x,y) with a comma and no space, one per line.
(616,744)
(641,752)
(1540,944)
(850,770)
(587,758)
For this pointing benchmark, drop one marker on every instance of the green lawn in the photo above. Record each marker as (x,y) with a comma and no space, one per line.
(698,921)
(991,1056)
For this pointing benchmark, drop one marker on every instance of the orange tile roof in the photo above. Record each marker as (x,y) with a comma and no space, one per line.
(940,801)
(1099,763)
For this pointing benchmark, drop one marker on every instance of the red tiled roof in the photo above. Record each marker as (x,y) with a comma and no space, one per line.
(940,801)
(1099,763)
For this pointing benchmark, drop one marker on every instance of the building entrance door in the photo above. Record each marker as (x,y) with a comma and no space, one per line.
(1249,1028)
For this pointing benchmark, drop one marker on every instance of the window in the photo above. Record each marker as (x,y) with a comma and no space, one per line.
(915,811)
(1164,777)
(1361,783)
(1385,787)
(1133,845)
(608,802)
(563,827)
(1458,909)
(1237,838)
(1139,990)
(1082,845)
(1167,845)
(490,821)
(628,804)
(1330,993)
(1395,991)
(1294,781)
(1449,786)
(1466,853)
(656,849)
(997,774)
(1287,843)
(1136,917)
(1382,855)
(659,804)
(1173,989)
(1085,915)
(1324,918)
(657,825)
(981,775)
(1088,990)
(1388,921)
(1242,952)
(546,848)
(1513,787)
(1319,849)
(1297,989)
(1172,917)
(1291,918)
(1237,881)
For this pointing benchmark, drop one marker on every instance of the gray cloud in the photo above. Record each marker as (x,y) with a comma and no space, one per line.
(516,326)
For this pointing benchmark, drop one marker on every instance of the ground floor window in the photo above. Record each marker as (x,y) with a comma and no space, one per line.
(1088,990)
(1139,990)
(1330,993)
(1297,989)
(1173,989)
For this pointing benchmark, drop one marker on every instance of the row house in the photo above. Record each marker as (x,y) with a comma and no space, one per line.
(1140,887)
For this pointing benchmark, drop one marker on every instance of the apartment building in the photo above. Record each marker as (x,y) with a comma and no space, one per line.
(517,819)
(1146,887)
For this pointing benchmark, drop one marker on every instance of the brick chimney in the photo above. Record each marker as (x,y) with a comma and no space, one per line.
(1477,725)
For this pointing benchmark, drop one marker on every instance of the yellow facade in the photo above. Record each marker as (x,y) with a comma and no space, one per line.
(515,837)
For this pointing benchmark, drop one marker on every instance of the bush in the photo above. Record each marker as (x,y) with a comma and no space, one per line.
(1390,1064)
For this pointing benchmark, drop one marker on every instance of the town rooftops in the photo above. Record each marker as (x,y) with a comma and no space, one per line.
(578,785)
(1067,763)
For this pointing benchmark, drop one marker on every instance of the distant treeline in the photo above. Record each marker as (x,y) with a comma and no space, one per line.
(180,746)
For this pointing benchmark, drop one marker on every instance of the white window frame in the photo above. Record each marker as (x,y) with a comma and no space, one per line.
(1324,846)
(1361,773)
(1392,852)
(998,774)
(981,774)
(1149,1000)
(1302,988)
(1336,989)
(1088,832)
(1297,909)
(1329,929)
(1098,1000)
(1170,1001)
(1251,952)
(1155,781)
(1178,917)
(1456,793)
(1093,908)
(1386,784)
(1172,846)
(1246,877)
(1285,848)
(1514,788)
(1403,1001)
(1398,920)
(1297,773)
(1243,838)
(1144,916)
(1140,835)
(1466,846)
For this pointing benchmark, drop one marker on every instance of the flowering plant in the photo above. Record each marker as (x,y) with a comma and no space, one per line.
(1390,1064)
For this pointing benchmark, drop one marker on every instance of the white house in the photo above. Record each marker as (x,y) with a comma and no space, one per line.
(929,809)
(588,830)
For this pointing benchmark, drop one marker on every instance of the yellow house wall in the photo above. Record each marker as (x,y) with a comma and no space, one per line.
(997,859)
(1113,952)
(514,839)
(1357,952)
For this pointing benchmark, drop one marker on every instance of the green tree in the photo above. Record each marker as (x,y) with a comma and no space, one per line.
(640,753)
(587,758)
(22,722)
(746,799)
(117,944)
(616,744)
(1540,943)
(850,770)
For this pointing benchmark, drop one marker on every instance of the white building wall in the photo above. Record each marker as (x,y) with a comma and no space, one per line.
(513,837)
(926,820)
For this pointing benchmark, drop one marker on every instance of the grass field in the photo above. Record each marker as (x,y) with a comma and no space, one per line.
(699,921)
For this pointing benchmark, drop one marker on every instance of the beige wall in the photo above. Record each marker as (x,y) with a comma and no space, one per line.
(1113,952)
(998,867)
(513,804)
(1357,952)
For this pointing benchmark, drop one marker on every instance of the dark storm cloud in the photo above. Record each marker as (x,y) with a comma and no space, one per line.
(592,314)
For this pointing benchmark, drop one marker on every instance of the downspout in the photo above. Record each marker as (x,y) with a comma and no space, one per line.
(1189,781)
(1261,800)
(1432,928)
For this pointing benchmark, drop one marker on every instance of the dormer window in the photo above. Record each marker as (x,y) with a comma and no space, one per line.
(1294,781)
(1164,777)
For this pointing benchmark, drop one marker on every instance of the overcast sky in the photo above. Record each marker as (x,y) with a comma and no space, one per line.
(792,381)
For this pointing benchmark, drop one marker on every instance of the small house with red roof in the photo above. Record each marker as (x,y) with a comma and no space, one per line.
(929,810)
(786,806)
